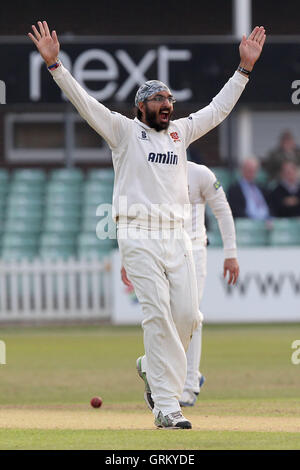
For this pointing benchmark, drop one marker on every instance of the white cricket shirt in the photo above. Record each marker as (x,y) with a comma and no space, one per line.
(150,167)
(204,188)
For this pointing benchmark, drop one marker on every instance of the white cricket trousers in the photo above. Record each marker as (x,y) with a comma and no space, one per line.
(193,354)
(163,275)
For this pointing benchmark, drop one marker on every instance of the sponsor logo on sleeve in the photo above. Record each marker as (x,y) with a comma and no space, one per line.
(217,185)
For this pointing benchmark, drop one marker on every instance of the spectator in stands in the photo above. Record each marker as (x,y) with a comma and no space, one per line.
(286,150)
(245,197)
(285,197)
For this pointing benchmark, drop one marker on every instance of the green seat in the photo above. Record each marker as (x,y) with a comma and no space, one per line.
(285,232)
(27,187)
(97,198)
(4,176)
(57,252)
(95,190)
(61,225)
(244,223)
(28,175)
(90,252)
(25,200)
(4,189)
(61,211)
(2,212)
(284,238)
(57,246)
(19,246)
(4,185)
(288,223)
(18,253)
(259,238)
(63,199)
(63,187)
(24,225)
(89,224)
(251,232)
(24,212)
(67,175)
(90,247)
(103,175)
(19,240)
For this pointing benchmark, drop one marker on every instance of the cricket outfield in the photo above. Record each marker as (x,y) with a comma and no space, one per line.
(249,401)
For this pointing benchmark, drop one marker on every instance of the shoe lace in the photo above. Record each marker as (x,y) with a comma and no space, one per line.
(176,414)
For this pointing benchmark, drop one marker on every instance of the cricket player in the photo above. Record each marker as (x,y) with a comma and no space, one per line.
(149,200)
(203,189)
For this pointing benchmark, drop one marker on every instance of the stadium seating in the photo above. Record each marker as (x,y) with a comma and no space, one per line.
(54,216)
(89,246)
(33,176)
(251,232)
(28,226)
(67,175)
(61,225)
(16,246)
(57,246)
(105,175)
(285,232)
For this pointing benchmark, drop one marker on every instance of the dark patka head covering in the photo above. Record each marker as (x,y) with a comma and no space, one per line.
(148,89)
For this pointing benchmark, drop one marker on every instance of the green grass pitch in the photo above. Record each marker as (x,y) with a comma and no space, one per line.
(250,399)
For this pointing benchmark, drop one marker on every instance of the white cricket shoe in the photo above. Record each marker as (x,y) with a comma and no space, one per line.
(174,420)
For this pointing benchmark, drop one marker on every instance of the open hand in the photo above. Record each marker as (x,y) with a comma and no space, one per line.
(46,43)
(250,49)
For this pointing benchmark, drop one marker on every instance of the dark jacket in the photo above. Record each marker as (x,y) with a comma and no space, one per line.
(278,204)
(237,199)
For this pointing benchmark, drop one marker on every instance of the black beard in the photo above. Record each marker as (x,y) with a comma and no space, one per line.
(150,117)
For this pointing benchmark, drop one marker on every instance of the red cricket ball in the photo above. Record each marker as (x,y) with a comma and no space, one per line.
(96,402)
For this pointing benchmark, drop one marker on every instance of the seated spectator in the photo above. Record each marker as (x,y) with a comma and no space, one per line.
(245,197)
(287,150)
(285,197)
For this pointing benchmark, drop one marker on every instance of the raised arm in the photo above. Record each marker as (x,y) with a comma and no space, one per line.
(201,122)
(111,126)
(46,43)
(251,48)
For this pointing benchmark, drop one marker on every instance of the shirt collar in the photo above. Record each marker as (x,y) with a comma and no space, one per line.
(142,124)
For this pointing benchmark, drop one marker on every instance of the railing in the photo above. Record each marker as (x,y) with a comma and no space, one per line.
(48,290)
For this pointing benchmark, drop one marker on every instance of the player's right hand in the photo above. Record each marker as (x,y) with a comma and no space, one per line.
(125,278)
(231,267)
(46,43)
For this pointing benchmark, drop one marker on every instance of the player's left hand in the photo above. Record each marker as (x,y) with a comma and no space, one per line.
(250,48)
(231,266)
